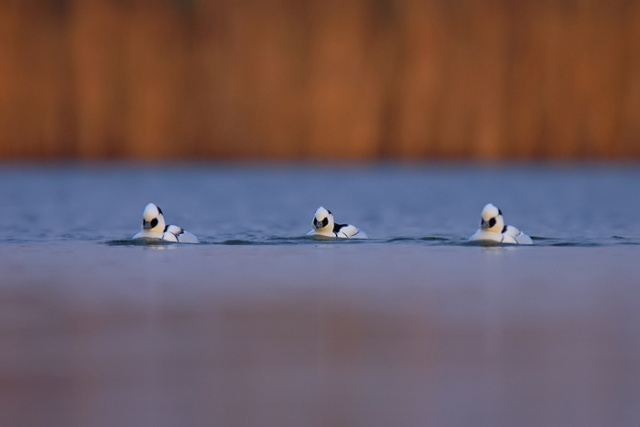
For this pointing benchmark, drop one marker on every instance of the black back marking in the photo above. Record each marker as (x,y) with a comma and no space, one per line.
(504,230)
(177,232)
(338,227)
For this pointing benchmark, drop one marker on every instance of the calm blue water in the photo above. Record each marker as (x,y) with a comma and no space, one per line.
(423,205)
(258,325)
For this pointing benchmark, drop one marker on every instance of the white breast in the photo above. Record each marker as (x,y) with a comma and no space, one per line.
(172,233)
(511,236)
(345,232)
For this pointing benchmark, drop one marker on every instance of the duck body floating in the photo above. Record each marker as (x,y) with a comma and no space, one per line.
(154,227)
(324,225)
(493,229)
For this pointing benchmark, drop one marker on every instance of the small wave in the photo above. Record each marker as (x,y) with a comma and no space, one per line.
(144,243)
(538,241)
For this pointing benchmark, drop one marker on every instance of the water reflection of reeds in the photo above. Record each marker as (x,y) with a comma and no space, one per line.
(321,79)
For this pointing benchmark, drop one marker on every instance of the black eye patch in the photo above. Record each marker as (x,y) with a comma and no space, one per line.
(320,224)
(492,222)
(154,222)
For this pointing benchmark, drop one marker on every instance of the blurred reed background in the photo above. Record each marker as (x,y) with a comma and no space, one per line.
(320,79)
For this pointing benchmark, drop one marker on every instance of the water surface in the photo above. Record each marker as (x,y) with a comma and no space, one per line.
(258,325)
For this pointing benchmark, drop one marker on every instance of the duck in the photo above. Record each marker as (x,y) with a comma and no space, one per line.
(324,225)
(154,227)
(493,229)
